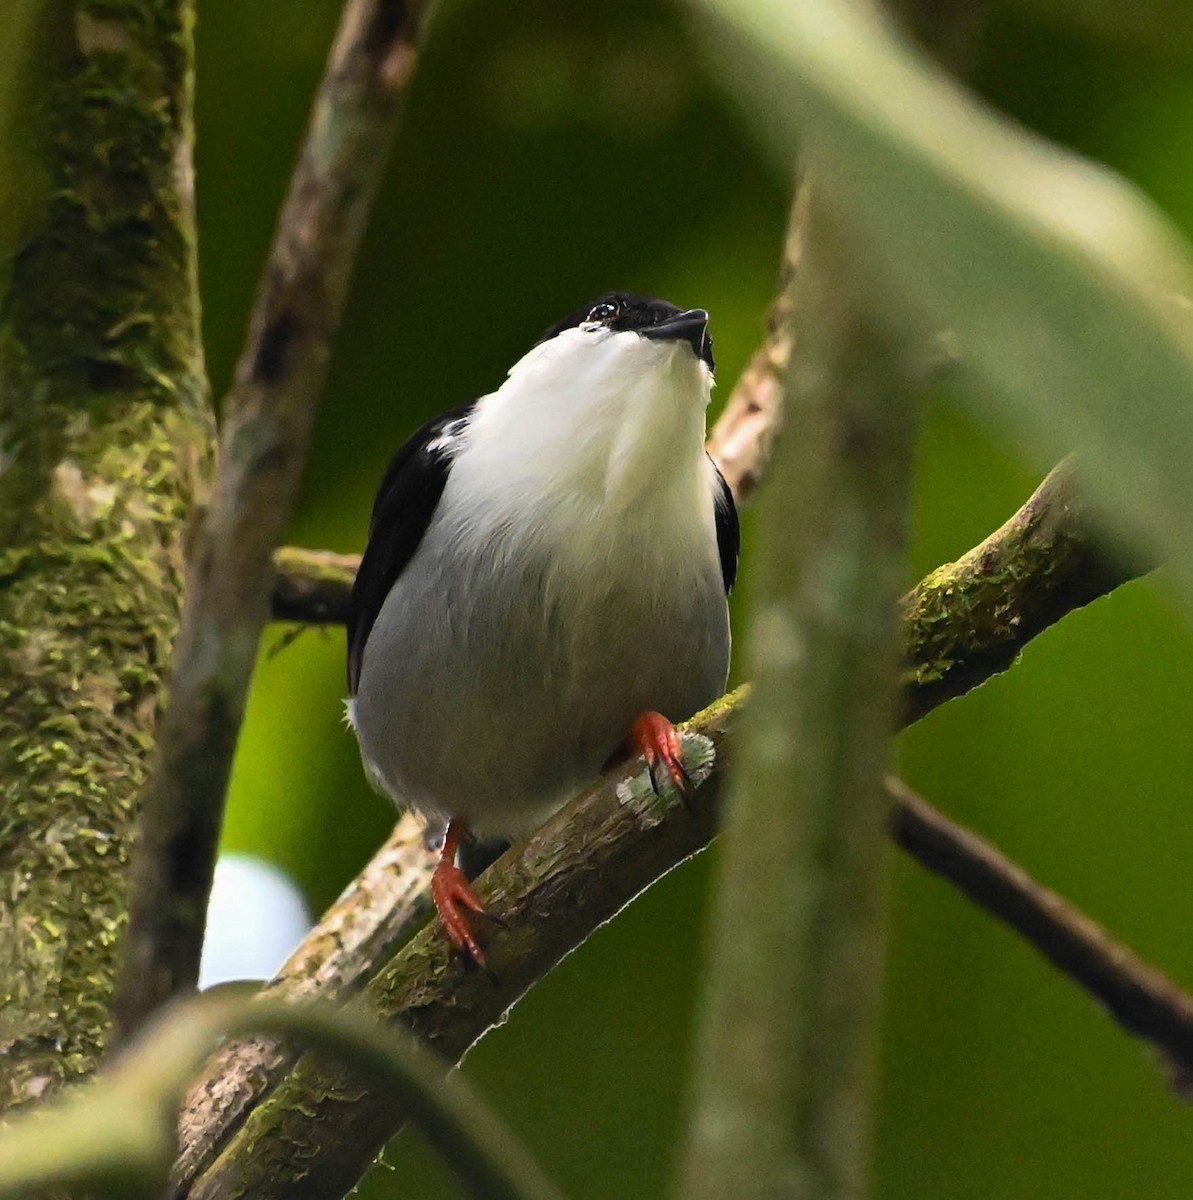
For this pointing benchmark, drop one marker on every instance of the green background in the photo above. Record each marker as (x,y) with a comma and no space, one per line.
(550,152)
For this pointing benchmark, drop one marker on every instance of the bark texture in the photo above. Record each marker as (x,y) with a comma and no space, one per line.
(104,434)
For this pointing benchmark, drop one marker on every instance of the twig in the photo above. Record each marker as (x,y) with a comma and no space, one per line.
(312,586)
(1141,999)
(742,440)
(268,416)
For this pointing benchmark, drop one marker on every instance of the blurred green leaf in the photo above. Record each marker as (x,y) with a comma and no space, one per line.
(1055,282)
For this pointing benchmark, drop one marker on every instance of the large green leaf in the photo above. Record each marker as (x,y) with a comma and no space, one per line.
(1055,282)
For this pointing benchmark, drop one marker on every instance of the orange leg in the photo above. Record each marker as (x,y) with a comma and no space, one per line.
(453,894)
(656,739)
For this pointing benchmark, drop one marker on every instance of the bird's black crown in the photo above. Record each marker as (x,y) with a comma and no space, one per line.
(627,312)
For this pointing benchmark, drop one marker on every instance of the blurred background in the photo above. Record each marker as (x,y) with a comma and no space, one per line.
(550,152)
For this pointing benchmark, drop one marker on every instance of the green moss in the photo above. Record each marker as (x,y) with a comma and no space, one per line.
(969,619)
(103,424)
(100,304)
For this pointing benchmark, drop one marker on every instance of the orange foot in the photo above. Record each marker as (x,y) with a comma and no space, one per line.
(453,896)
(656,739)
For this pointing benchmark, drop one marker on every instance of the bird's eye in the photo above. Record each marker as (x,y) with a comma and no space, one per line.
(601,313)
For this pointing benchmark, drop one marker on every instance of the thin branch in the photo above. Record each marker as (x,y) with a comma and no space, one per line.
(1141,999)
(267,420)
(312,586)
(744,437)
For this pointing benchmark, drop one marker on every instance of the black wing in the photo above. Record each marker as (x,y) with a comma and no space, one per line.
(406,500)
(728,530)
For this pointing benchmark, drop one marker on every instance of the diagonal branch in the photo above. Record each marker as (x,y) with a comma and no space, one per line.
(970,619)
(267,421)
(318,1132)
(386,903)
(1141,999)
(960,625)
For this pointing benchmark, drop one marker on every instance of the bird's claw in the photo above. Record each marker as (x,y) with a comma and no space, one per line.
(453,896)
(657,740)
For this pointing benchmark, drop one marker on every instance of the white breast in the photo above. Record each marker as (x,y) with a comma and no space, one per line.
(569,580)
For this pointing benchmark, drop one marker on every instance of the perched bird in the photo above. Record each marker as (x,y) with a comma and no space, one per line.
(544,587)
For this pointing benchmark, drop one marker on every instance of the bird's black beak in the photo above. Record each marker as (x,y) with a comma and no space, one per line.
(690,327)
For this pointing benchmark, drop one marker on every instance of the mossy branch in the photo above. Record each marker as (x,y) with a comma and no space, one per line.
(312,586)
(313,1132)
(106,433)
(267,421)
(964,608)
(386,904)
(969,619)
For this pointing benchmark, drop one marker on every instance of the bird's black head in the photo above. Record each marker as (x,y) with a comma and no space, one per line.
(656,319)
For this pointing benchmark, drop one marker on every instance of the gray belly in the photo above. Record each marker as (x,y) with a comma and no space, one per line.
(491,692)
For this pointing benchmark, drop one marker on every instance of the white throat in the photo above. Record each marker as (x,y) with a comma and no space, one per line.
(612,416)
